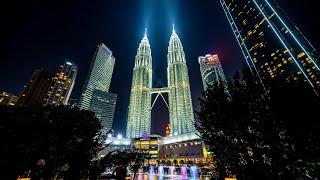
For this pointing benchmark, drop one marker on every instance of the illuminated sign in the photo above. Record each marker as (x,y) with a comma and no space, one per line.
(211,59)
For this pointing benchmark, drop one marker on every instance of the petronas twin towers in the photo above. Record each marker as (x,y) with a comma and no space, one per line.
(180,105)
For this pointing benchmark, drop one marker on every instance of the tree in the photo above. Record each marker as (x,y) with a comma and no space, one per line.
(239,129)
(128,158)
(65,139)
(297,105)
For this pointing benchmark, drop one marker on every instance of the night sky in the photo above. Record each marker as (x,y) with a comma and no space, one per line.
(44,34)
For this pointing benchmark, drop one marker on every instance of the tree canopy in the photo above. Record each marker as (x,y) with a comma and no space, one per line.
(248,129)
(48,141)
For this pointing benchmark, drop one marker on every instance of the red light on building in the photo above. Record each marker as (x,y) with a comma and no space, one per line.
(168,131)
(211,59)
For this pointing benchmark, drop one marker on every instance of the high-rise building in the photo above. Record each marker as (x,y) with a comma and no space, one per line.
(61,85)
(103,105)
(180,104)
(272,45)
(139,116)
(95,96)
(211,71)
(8,99)
(99,75)
(36,89)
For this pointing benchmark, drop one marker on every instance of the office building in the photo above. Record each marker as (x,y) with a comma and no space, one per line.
(271,44)
(211,71)
(99,75)
(103,105)
(36,89)
(95,95)
(61,85)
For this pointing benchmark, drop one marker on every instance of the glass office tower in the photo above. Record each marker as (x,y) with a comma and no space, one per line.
(95,95)
(271,44)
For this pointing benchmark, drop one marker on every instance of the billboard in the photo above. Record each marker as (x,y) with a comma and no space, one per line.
(211,59)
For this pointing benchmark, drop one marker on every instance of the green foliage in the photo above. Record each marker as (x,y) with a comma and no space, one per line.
(127,158)
(67,139)
(240,130)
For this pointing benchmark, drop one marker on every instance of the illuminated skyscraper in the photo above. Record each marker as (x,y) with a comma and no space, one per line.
(95,96)
(99,75)
(61,85)
(211,71)
(139,116)
(271,44)
(180,105)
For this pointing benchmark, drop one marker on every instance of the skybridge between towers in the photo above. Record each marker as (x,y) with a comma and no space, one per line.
(159,92)
(181,115)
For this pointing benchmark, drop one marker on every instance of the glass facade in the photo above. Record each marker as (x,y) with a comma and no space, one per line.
(271,44)
(99,75)
(103,105)
(95,96)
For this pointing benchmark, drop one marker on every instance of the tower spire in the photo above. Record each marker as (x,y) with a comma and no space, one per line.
(145,32)
(173,30)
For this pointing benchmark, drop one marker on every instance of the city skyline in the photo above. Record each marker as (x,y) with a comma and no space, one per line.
(126,64)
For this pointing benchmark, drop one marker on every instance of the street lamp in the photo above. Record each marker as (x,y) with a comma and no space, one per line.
(109,135)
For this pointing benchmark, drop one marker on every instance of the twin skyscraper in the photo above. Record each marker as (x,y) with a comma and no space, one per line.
(180,104)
